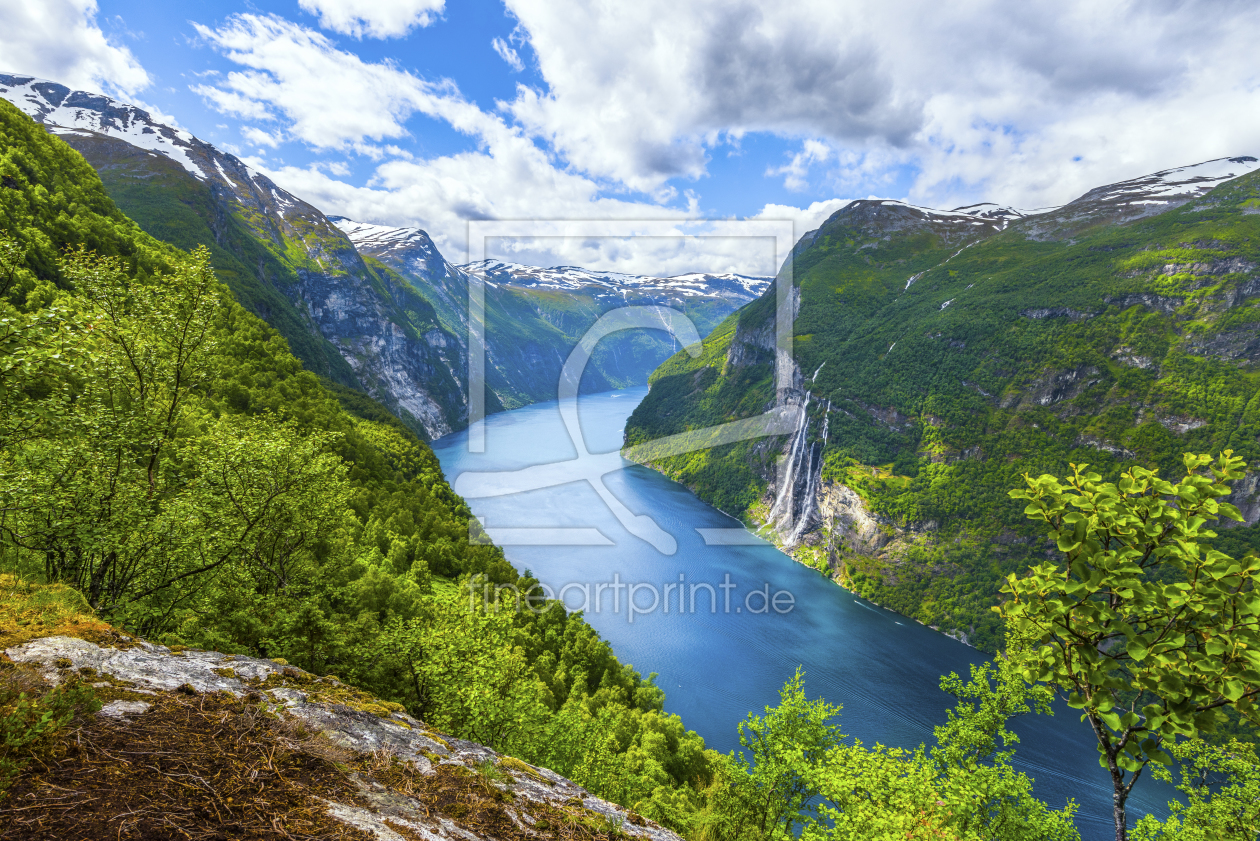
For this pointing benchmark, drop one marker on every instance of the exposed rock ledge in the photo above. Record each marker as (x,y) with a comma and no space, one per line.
(152,678)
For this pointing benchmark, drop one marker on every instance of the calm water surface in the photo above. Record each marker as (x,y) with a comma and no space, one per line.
(716,667)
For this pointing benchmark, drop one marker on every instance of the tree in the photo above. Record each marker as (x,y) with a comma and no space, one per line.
(784,745)
(964,789)
(1141,626)
(1221,784)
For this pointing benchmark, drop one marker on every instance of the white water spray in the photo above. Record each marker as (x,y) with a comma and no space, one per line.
(793,458)
(808,510)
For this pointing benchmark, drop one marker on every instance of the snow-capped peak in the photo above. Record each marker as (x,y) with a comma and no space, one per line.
(65,111)
(1180,183)
(742,288)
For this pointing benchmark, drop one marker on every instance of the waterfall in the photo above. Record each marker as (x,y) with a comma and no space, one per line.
(815,377)
(808,509)
(797,447)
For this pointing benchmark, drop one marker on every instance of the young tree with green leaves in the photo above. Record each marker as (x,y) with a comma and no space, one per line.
(963,789)
(1221,785)
(1146,630)
(783,747)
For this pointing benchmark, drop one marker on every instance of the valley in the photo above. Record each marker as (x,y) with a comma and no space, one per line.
(235,430)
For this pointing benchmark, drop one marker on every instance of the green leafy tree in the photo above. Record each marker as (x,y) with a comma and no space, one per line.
(1221,784)
(1141,627)
(783,747)
(964,788)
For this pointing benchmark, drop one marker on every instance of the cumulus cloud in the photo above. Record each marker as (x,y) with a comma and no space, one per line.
(60,40)
(258,137)
(1029,104)
(794,172)
(985,98)
(377,19)
(328,98)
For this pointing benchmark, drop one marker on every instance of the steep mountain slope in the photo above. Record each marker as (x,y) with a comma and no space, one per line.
(941,355)
(535,316)
(346,319)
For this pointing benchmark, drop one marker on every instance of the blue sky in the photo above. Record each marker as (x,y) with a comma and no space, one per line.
(429,113)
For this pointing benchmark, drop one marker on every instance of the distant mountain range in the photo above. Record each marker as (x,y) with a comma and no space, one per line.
(369,307)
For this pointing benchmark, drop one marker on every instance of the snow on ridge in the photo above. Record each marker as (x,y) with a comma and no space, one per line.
(576,278)
(369,234)
(69,111)
(1180,182)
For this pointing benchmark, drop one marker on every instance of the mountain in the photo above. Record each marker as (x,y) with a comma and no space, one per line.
(940,355)
(536,316)
(347,319)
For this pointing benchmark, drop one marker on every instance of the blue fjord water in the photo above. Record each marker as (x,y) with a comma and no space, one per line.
(716,667)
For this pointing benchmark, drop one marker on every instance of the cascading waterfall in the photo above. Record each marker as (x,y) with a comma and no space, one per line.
(786,492)
(808,510)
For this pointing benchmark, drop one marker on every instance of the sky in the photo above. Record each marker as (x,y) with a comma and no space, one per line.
(432,113)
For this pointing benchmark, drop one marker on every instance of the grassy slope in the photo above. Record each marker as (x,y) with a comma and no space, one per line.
(984,392)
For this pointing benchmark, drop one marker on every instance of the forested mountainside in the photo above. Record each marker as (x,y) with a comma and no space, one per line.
(941,355)
(168,463)
(347,318)
(534,317)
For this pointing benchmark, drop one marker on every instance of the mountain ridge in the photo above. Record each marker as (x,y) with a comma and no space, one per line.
(372,333)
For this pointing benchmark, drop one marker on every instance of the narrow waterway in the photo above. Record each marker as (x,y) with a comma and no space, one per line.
(731,653)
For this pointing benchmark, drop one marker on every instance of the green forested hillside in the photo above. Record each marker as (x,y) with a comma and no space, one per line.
(952,371)
(163,452)
(170,205)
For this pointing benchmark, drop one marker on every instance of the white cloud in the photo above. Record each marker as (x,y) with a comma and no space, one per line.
(508,54)
(375,19)
(945,105)
(329,98)
(60,40)
(795,171)
(258,137)
(983,99)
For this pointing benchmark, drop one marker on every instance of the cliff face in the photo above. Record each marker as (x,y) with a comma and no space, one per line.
(349,320)
(199,744)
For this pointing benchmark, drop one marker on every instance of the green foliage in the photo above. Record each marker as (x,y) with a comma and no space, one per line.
(963,788)
(1221,785)
(29,718)
(783,746)
(1142,627)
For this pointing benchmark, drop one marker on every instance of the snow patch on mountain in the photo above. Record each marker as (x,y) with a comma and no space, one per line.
(1179,184)
(735,287)
(65,112)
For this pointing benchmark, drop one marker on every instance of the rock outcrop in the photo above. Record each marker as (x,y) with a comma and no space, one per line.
(350,761)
